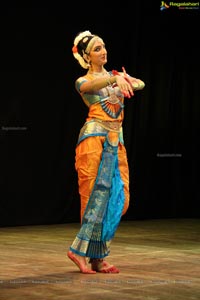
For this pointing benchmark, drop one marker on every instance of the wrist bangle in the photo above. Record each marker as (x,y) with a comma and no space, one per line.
(108,81)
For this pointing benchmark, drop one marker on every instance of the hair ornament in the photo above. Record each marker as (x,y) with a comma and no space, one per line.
(74,49)
(78,53)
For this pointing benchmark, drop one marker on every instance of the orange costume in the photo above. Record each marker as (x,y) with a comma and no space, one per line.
(102,167)
(101,158)
(104,119)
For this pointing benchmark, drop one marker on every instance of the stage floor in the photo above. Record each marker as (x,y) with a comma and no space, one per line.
(158,259)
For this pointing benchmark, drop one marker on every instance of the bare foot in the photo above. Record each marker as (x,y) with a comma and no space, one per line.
(81,263)
(102,266)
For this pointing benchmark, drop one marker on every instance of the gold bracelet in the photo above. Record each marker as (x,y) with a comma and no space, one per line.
(108,81)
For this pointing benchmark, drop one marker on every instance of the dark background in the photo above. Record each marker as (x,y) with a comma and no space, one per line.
(41,113)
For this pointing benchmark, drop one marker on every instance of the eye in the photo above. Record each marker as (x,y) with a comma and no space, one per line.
(97,49)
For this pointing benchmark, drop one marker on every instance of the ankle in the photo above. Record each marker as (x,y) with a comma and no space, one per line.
(95,260)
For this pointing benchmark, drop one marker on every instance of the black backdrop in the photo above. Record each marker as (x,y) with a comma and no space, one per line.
(41,113)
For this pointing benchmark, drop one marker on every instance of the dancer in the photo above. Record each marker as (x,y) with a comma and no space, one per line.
(101,158)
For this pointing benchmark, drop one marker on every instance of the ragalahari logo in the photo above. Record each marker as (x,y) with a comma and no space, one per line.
(179,5)
(164,5)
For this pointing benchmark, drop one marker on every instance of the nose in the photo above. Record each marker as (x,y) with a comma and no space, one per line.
(104,50)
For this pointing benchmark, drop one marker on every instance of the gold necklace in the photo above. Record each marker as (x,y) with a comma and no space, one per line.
(112,98)
(98,74)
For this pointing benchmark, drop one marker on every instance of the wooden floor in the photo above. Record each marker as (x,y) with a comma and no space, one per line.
(158,259)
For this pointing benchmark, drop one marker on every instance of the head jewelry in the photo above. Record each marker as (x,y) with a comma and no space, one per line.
(83,43)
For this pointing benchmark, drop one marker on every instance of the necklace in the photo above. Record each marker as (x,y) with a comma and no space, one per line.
(110,103)
(109,90)
(98,74)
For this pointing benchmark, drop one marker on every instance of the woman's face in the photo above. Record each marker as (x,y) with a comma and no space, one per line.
(98,53)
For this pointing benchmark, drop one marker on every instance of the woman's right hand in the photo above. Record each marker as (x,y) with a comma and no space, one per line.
(124,86)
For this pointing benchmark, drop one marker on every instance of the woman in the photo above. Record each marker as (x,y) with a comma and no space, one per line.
(101,159)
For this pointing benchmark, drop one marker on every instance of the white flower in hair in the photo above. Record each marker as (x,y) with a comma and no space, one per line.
(77,39)
(81,36)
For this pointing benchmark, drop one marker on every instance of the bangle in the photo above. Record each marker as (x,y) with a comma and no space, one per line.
(108,81)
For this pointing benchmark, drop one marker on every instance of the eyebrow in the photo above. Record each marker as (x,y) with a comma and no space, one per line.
(101,45)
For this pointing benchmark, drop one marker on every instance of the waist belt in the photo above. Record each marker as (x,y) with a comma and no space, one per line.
(110,125)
